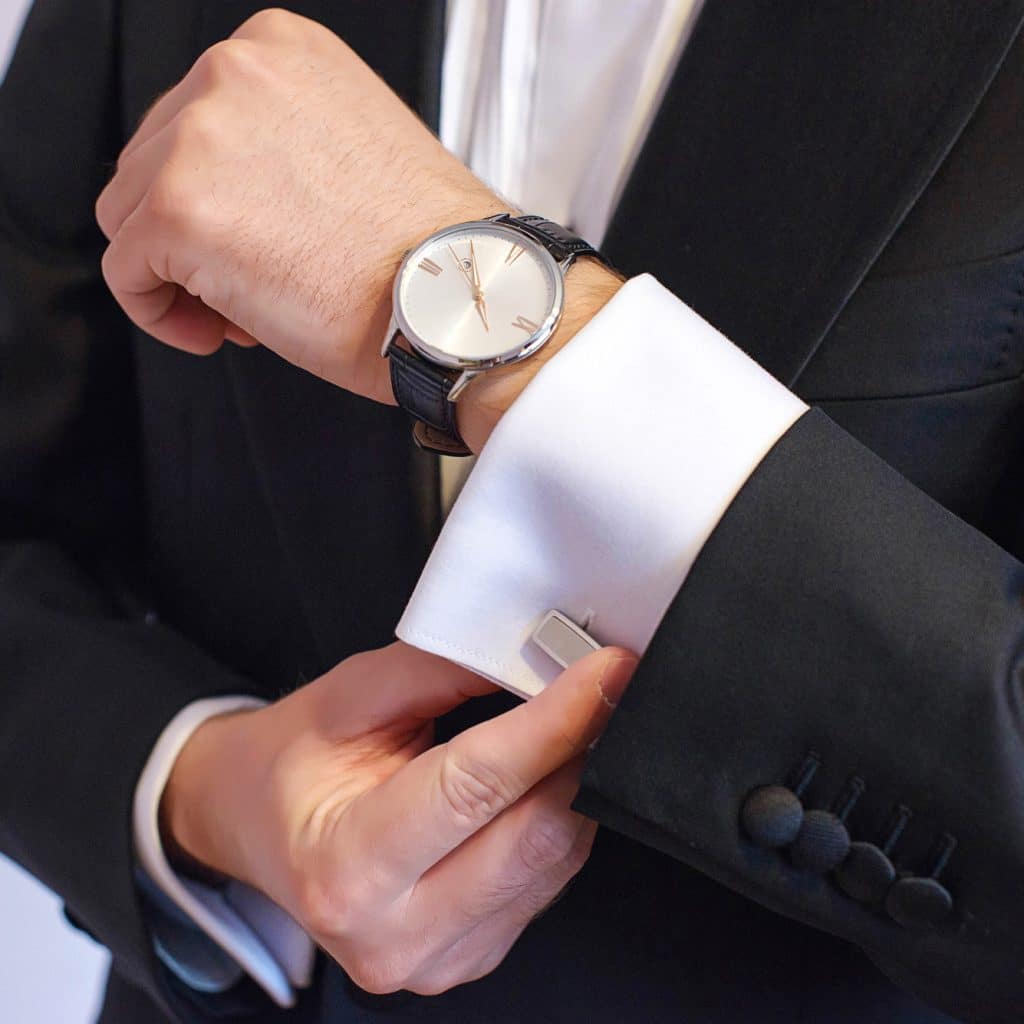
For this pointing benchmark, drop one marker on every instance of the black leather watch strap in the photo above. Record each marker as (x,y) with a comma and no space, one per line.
(421,389)
(559,241)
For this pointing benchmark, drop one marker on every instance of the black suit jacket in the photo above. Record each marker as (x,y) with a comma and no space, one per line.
(838,188)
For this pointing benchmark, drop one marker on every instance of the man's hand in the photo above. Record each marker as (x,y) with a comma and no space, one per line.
(414,866)
(269,197)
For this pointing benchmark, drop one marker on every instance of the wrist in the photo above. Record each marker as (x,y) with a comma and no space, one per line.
(588,286)
(197,804)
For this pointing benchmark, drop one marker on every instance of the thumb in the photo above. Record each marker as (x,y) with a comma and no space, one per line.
(449,792)
(582,698)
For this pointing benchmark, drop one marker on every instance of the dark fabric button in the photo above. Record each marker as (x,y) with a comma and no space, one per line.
(866,874)
(772,816)
(918,902)
(821,844)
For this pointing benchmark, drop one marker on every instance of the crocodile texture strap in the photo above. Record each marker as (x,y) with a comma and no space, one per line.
(421,389)
(559,241)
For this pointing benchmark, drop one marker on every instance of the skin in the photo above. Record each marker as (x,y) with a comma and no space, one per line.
(268,199)
(416,866)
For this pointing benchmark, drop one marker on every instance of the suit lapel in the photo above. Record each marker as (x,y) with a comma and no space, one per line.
(791,143)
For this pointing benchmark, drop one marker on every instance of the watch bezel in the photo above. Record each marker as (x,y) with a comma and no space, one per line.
(530,345)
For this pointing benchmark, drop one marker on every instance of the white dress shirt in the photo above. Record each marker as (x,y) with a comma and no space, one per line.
(600,485)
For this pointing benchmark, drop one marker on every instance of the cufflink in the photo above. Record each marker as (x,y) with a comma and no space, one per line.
(562,640)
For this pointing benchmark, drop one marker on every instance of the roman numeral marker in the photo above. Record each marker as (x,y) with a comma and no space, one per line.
(513,254)
(430,267)
(527,325)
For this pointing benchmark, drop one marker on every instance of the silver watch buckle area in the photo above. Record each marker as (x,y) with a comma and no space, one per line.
(461,381)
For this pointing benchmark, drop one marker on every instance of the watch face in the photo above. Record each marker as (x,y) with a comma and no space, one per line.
(478,294)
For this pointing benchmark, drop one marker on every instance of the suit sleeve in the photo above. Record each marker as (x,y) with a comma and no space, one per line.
(89,678)
(838,615)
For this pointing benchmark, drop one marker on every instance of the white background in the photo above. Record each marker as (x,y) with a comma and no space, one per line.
(49,973)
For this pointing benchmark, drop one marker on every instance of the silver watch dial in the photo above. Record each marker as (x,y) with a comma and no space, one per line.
(478,294)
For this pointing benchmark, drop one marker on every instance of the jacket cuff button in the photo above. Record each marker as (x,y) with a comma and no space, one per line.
(918,902)
(923,902)
(822,843)
(772,816)
(866,874)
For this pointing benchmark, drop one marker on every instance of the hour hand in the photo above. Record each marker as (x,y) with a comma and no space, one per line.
(481,308)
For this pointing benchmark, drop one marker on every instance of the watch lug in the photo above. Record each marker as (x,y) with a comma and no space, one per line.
(460,384)
(390,335)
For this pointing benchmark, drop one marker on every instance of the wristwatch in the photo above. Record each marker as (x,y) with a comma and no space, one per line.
(470,298)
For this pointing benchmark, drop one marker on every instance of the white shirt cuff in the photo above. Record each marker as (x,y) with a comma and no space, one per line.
(253,930)
(598,488)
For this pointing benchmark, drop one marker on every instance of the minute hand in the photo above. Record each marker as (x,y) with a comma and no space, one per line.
(478,294)
(462,270)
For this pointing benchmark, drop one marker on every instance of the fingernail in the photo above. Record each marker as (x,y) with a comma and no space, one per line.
(615,677)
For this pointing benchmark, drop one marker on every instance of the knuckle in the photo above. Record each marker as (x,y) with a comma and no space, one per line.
(489,963)
(578,856)
(534,904)
(458,972)
(473,790)
(226,59)
(546,840)
(164,203)
(434,984)
(175,205)
(102,213)
(274,22)
(374,972)
(334,908)
(107,269)
(196,124)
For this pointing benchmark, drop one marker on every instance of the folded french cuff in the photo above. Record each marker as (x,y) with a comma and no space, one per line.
(598,488)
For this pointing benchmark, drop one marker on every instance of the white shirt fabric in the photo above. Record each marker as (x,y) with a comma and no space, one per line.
(549,101)
(601,484)
(597,489)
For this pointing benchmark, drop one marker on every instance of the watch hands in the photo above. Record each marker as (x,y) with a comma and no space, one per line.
(475,268)
(462,270)
(481,308)
(478,292)
(472,276)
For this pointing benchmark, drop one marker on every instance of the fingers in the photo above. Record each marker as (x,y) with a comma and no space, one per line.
(160,114)
(447,794)
(128,187)
(482,949)
(378,688)
(239,337)
(145,290)
(154,303)
(498,865)
(458,923)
